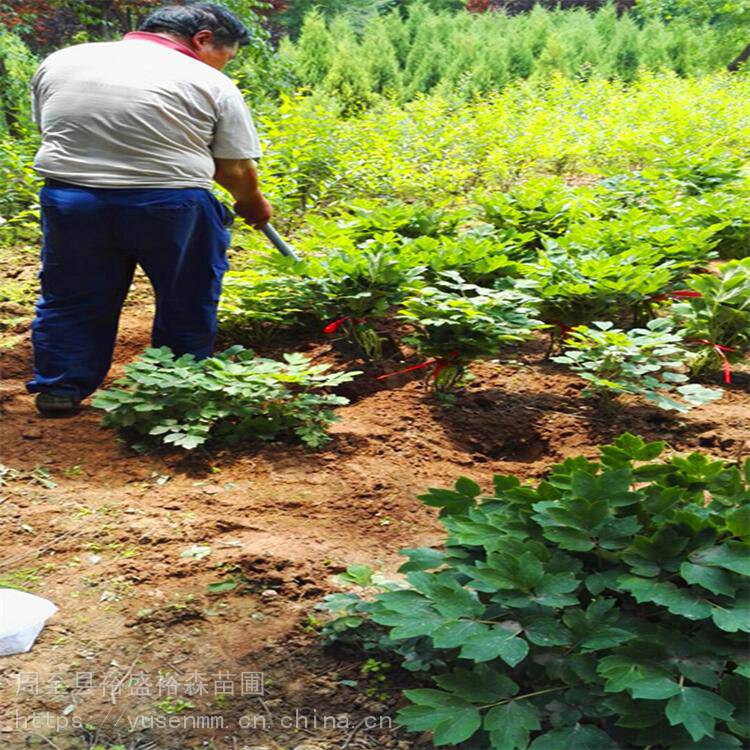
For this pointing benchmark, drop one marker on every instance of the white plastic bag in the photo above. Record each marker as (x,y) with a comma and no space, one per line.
(22,617)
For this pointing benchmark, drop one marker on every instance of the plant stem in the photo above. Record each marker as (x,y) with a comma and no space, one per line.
(523,697)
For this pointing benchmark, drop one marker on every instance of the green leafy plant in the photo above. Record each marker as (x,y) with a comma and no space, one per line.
(541,206)
(662,228)
(479,260)
(727,212)
(696,173)
(605,607)
(716,324)
(355,289)
(645,362)
(369,219)
(579,287)
(233,396)
(455,323)
(256,305)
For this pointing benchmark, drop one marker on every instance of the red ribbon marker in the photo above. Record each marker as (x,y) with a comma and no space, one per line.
(333,327)
(680,294)
(564,328)
(336,324)
(719,349)
(408,369)
(440,364)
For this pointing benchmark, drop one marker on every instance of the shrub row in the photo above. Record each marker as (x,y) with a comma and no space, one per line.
(402,58)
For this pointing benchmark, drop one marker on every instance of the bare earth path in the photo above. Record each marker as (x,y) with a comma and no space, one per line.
(144,651)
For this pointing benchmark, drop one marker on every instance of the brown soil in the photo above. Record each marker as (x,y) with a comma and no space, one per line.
(101,531)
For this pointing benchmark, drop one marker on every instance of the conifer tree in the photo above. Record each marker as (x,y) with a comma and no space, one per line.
(624,51)
(380,60)
(347,79)
(315,50)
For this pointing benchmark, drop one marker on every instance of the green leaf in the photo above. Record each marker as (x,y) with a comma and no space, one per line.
(702,670)
(410,625)
(467,486)
(421,558)
(447,595)
(531,571)
(720,741)
(734,556)
(606,638)
(579,736)
(625,673)
(498,642)
(678,601)
(186,441)
(715,580)
(221,587)
(546,631)
(454,633)
(510,723)
(451,502)
(697,710)
(358,574)
(482,684)
(451,719)
(655,689)
(732,618)
(569,539)
(739,522)
(636,449)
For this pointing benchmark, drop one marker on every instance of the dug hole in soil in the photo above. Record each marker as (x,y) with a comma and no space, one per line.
(143,653)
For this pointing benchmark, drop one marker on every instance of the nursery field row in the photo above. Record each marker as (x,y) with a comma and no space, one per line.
(620,274)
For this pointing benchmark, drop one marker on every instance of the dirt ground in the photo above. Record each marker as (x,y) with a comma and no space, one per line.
(144,654)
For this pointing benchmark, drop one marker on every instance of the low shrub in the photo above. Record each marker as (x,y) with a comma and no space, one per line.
(367,219)
(646,362)
(256,305)
(356,289)
(539,207)
(729,212)
(579,287)
(604,608)
(716,324)
(479,260)
(231,397)
(455,323)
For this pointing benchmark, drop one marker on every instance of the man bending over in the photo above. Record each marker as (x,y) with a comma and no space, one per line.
(133,134)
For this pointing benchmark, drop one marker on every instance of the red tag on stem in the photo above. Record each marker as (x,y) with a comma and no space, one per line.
(440,364)
(679,294)
(336,324)
(719,349)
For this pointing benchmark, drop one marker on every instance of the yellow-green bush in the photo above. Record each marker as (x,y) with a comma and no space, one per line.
(438,147)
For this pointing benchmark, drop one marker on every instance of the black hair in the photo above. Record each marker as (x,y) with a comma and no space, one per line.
(187,20)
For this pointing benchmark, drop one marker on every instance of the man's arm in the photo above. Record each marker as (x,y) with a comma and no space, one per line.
(239,177)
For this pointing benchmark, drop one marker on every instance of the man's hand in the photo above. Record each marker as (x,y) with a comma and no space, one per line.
(239,177)
(256,213)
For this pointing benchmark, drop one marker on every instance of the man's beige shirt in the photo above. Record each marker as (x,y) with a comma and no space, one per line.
(136,114)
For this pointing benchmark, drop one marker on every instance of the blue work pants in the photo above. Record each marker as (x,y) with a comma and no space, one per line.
(92,240)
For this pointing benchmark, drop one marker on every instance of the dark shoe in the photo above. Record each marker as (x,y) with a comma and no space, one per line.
(55,405)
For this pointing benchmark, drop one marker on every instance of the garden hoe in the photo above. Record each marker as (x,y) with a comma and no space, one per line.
(278,242)
(273,236)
